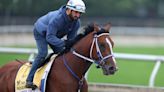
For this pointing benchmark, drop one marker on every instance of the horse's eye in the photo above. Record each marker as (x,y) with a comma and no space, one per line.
(102,47)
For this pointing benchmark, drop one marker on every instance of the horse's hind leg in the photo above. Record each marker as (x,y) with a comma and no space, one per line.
(85,87)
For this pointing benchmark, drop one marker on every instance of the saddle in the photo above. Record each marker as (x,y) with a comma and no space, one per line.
(40,76)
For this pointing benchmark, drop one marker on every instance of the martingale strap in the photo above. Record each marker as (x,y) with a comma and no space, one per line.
(81,81)
(70,70)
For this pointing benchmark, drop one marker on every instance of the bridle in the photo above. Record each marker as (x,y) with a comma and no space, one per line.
(101,61)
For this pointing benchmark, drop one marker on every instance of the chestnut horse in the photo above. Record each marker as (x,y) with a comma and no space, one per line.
(94,45)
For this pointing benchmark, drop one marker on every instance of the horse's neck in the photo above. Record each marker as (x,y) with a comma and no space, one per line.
(84,45)
(79,66)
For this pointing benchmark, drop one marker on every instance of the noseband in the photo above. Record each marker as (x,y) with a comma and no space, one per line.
(101,61)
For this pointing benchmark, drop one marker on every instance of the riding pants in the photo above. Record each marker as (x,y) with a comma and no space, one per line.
(42,46)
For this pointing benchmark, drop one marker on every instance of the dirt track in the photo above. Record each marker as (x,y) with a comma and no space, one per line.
(121,88)
(16,39)
(27,39)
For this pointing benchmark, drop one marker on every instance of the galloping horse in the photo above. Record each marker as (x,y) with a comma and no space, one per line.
(94,45)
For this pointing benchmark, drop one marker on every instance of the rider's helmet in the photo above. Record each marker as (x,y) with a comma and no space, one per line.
(76,5)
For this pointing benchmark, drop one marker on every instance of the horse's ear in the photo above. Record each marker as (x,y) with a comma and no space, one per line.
(107,26)
(96,27)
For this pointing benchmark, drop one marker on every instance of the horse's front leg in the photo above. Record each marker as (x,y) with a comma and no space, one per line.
(84,87)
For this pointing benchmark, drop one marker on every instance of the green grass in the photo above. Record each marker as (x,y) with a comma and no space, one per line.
(135,72)
(159,80)
(141,50)
(130,71)
(6,58)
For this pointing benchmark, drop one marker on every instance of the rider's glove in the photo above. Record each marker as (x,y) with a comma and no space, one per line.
(68,44)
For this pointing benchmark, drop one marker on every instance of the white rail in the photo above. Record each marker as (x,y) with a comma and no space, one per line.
(157,59)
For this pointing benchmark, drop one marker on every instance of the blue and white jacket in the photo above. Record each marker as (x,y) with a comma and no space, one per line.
(55,25)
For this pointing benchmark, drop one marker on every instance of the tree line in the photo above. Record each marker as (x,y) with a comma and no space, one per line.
(97,8)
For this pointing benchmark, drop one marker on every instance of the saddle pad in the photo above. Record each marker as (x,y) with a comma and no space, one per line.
(40,75)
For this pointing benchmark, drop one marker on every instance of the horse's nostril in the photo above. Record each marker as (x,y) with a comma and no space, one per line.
(111,68)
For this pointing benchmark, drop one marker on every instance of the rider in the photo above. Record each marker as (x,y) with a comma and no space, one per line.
(50,28)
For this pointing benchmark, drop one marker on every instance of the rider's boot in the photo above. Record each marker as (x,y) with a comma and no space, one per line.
(31,85)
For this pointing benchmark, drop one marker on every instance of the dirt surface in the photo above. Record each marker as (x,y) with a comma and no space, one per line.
(28,39)
(16,39)
(121,88)
(138,40)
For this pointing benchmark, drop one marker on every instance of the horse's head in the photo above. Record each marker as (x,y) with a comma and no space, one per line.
(95,45)
(101,49)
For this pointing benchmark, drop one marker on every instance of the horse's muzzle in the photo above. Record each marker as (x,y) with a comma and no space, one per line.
(109,70)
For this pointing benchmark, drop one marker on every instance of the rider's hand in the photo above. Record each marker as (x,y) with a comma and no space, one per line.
(68,44)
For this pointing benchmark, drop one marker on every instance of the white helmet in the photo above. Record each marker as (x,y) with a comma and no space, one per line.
(76,5)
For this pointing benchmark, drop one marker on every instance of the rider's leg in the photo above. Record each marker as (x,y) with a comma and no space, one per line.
(56,50)
(39,60)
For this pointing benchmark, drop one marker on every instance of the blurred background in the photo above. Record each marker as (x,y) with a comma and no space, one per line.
(137,28)
(128,17)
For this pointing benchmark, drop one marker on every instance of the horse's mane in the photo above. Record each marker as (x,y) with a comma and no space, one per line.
(87,29)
